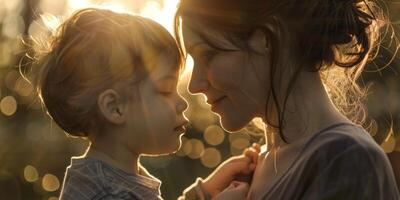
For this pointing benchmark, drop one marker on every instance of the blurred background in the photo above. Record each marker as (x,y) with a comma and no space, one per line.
(34,152)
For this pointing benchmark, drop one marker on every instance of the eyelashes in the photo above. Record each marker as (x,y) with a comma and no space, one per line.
(207,56)
(166,87)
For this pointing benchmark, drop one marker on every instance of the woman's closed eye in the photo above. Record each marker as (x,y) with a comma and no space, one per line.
(207,56)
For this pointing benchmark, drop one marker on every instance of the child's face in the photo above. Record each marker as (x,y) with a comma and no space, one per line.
(156,120)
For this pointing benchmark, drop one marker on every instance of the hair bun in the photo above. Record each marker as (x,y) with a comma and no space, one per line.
(343,21)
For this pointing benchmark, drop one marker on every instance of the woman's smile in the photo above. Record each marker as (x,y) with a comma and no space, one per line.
(215,104)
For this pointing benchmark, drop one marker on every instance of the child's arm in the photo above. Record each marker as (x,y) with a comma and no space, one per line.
(234,168)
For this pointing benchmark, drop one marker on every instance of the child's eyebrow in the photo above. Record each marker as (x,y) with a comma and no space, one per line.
(167,77)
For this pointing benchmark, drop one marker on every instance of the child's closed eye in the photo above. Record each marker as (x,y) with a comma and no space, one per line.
(166,87)
(166,92)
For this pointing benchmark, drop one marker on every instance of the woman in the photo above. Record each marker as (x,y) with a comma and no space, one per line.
(294,64)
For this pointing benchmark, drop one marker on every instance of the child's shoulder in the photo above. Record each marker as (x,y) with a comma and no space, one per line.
(85,179)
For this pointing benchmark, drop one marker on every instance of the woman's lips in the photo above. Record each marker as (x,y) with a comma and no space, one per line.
(212,102)
(215,104)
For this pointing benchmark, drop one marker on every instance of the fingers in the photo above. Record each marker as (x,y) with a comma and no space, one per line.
(252,153)
(244,165)
(256,146)
(241,186)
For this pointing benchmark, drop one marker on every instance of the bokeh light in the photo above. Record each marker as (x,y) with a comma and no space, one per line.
(50,183)
(239,142)
(211,157)
(193,148)
(31,174)
(8,105)
(214,135)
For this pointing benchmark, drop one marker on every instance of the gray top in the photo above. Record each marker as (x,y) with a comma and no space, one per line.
(341,162)
(91,179)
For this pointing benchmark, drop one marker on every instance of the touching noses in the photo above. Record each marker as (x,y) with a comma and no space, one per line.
(198,81)
(181,105)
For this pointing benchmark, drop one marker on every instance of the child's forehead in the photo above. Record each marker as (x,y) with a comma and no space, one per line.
(165,67)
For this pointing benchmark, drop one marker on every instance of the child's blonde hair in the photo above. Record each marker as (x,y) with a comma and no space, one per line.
(94,50)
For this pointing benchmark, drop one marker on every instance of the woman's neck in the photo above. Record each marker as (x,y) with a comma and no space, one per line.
(308,110)
(115,154)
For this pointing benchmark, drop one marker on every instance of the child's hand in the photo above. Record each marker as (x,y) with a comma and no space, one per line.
(234,167)
(236,190)
(252,152)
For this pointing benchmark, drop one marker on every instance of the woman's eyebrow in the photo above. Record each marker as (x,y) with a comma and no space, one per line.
(169,76)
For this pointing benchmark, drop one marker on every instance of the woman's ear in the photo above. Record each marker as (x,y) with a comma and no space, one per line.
(258,41)
(111,106)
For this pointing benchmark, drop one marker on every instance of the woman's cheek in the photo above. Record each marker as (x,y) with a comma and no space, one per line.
(225,72)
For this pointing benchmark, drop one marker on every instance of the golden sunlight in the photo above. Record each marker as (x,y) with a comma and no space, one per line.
(160,11)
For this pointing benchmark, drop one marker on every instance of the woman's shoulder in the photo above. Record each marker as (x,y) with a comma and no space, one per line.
(346,149)
(343,140)
(348,160)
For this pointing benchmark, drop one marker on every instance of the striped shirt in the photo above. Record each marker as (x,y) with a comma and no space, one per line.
(91,179)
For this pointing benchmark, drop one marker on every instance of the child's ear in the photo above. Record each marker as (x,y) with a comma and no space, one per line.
(111,106)
(258,41)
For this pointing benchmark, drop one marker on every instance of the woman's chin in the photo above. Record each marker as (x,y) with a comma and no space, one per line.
(233,125)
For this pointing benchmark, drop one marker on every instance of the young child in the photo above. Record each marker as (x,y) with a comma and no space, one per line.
(112,78)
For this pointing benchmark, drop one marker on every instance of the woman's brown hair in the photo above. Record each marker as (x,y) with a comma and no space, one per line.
(333,37)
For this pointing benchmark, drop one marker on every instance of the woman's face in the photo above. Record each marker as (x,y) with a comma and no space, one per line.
(234,82)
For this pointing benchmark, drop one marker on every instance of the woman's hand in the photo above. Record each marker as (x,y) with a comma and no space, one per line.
(234,168)
(236,190)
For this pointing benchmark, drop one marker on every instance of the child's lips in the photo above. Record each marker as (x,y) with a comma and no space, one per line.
(181,128)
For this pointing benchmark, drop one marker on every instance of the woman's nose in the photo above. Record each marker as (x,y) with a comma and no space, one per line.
(198,81)
(182,104)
